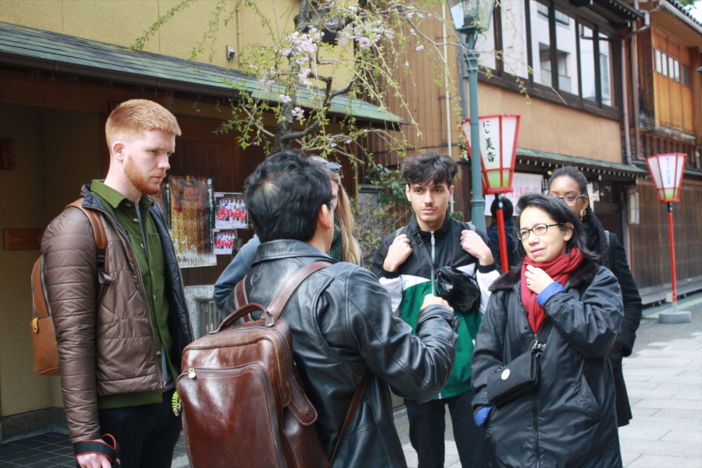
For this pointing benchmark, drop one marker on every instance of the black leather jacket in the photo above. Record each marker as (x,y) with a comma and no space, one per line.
(342,324)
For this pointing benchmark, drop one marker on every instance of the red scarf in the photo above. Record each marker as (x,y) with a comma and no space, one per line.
(559,269)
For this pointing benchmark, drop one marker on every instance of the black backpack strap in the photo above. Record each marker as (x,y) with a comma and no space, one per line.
(607,234)
(542,336)
(399,232)
(424,250)
(468,225)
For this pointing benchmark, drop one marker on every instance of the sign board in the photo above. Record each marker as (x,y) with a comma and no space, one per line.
(522,184)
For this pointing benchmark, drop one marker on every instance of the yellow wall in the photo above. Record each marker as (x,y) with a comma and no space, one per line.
(547,126)
(121,22)
(56,151)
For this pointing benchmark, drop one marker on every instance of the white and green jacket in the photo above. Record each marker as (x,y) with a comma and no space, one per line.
(413,280)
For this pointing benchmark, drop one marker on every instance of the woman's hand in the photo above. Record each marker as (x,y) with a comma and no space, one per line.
(537,279)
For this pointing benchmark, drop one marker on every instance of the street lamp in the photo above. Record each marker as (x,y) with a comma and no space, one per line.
(472,17)
(498,136)
(667,172)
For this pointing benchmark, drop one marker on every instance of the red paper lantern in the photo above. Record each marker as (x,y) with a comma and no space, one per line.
(498,150)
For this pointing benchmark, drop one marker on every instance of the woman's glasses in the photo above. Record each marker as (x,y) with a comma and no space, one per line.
(538,230)
(570,200)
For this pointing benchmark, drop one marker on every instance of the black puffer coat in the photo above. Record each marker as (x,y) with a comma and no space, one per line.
(342,325)
(569,421)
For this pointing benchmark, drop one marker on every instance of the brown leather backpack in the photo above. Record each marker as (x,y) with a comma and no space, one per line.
(43,331)
(242,401)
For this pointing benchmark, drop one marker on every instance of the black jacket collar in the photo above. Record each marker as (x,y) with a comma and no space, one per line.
(583,275)
(438,234)
(279,249)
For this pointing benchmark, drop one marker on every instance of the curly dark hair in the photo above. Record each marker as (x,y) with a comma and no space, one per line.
(429,167)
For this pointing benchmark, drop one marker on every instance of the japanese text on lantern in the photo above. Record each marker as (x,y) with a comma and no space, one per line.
(490,140)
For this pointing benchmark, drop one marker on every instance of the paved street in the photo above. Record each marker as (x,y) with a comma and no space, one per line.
(664,378)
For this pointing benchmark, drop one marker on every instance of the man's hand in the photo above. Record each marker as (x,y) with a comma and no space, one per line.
(472,243)
(430,299)
(537,279)
(93,460)
(398,252)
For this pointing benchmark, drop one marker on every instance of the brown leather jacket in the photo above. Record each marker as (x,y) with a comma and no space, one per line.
(105,338)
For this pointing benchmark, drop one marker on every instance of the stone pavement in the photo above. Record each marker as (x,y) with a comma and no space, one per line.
(664,382)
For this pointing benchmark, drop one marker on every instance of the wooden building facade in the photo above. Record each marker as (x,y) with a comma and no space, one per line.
(666,101)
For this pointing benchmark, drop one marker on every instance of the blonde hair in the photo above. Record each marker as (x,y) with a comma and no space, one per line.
(342,214)
(133,118)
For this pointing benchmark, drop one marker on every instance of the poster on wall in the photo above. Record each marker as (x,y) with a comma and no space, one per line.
(192,220)
(224,241)
(231,211)
(522,184)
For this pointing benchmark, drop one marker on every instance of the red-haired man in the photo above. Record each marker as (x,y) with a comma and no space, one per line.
(120,343)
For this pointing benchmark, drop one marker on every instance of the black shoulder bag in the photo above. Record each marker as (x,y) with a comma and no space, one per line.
(520,376)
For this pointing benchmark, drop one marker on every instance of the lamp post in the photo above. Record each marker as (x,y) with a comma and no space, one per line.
(497,145)
(667,172)
(470,17)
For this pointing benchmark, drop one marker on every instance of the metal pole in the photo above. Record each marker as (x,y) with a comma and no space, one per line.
(672,256)
(477,202)
(502,234)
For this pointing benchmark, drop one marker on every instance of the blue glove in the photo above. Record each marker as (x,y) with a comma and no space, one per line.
(481,415)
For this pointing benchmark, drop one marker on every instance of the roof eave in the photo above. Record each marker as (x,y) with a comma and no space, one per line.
(670,8)
(11,59)
(580,161)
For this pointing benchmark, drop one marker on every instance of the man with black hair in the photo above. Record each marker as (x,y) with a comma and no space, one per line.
(340,317)
(403,262)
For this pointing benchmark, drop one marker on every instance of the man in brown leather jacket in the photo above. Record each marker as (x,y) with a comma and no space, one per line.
(120,342)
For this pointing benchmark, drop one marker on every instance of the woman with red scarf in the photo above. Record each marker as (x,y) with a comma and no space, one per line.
(569,418)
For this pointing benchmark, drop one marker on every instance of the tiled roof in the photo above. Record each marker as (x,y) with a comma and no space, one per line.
(21,45)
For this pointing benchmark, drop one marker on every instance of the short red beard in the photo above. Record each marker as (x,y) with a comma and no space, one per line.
(138,180)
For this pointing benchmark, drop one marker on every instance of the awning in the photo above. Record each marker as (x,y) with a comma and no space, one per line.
(683,13)
(54,52)
(555,160)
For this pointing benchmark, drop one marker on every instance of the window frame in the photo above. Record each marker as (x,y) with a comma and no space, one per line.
(592,20)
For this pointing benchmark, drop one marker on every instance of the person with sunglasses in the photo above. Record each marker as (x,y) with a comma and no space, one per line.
(560,297)
(344,247)
(570,185)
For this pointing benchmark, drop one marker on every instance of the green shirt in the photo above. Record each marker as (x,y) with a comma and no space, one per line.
(146,243)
